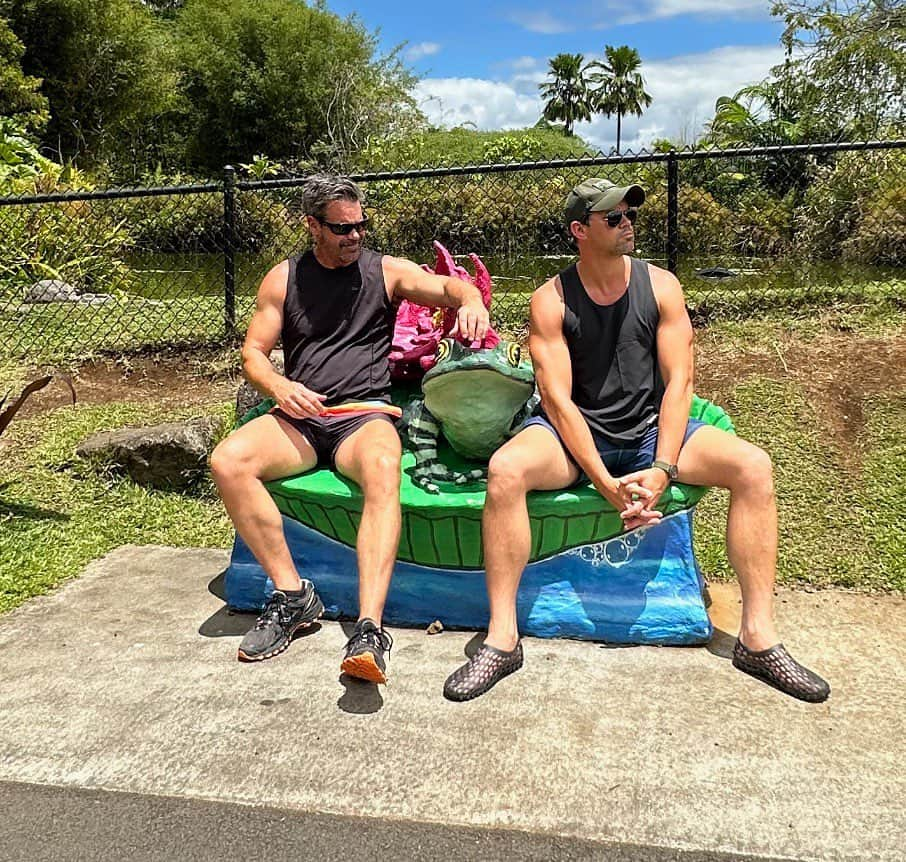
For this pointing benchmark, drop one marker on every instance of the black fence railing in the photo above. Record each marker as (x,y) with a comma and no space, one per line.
(744,229)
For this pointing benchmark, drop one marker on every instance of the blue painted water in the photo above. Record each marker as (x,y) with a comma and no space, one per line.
(643,587)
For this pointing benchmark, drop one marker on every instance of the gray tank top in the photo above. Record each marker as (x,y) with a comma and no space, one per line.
(617,382)
(338,327)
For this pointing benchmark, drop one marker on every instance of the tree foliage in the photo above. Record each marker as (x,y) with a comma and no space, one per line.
(618,86)
(20,97)
(282,78)
(101,66)
(846,63)
(566,93)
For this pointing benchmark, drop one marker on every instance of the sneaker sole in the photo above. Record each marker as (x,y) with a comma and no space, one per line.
(283,644)
(363,667)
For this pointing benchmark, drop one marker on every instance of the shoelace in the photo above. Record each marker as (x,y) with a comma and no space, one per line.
(373,637)
(274,611)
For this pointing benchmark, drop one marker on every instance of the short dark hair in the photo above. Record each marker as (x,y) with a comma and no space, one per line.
(320,189)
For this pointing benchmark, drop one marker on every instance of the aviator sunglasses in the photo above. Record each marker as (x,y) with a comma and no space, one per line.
(344,228)
(616,216)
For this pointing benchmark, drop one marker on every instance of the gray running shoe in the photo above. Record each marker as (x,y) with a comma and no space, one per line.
(282,616)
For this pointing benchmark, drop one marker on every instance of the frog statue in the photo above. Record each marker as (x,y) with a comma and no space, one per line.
(476,397)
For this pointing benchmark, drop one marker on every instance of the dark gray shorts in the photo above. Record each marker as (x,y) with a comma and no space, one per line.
(327,433)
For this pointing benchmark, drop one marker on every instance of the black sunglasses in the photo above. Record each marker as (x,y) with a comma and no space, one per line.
(616,216)
(344,228)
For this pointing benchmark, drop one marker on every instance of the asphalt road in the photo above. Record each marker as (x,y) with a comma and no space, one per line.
(41,823)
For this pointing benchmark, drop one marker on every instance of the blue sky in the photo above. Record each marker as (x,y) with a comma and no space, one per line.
(481,62)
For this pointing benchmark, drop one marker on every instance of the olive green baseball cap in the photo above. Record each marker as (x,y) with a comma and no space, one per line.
(599,195)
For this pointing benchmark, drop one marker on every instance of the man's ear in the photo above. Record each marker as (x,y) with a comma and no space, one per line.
(577,229)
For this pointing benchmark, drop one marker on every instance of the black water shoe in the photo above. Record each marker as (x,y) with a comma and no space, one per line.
(482,672)
(778,668)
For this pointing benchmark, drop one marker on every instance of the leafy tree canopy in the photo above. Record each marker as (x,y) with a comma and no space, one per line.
(844,77)
(617,85)
(285,79)
(20,97)
(101,65)
(566,92)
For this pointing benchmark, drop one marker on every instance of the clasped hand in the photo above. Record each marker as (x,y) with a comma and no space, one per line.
(636,496)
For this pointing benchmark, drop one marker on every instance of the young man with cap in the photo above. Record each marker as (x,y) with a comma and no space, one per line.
(333,308)
(611,344)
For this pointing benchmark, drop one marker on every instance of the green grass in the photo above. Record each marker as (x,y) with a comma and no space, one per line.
(836,528)
(842,521)
(56,516)
(881,495)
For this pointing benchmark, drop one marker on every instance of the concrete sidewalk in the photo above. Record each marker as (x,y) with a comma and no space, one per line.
(126,680)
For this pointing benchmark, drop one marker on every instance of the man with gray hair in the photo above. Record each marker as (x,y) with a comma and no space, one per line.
(334,308)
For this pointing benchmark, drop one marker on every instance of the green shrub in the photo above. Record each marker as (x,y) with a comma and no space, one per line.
(79,242)
(880,234)
(459,146)
(855,208)
(195,223)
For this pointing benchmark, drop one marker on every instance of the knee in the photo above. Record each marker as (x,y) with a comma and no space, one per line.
(229,461)
(756,472)
(506,476)
(383,473)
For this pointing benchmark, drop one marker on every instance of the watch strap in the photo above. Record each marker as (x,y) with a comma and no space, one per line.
(669,469)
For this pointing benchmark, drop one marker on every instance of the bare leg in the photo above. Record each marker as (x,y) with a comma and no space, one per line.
(371,458)
(714,457)
(266,448)
(532,460)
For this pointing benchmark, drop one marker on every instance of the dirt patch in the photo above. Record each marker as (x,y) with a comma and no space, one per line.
(837,372)
(168,380)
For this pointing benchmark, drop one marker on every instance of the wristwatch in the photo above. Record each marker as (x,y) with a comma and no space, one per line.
(669,469)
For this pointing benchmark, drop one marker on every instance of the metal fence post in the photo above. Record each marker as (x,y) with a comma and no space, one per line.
(672,210)
(229,251)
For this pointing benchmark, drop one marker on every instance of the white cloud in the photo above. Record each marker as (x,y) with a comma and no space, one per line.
(684,90)
(421,49)
(486,104)
(613,13)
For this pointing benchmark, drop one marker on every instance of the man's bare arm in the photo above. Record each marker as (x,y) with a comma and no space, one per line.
(262,335)
(553,372)
(675,357)
(407,280)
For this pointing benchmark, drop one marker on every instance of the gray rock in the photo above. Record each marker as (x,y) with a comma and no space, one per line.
(51,290)
(171,456)
(248,397)
(94,298)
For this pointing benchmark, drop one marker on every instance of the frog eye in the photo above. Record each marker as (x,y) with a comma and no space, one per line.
(513,354)
(444,349)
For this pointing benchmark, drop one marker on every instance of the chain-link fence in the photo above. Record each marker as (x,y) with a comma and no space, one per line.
(745,230)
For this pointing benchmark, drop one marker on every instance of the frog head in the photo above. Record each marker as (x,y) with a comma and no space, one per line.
(477,393)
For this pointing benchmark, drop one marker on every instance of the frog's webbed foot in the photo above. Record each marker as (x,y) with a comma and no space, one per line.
(423,481)
(477,475)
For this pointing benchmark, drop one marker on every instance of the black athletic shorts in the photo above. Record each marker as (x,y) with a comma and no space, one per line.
(327,433)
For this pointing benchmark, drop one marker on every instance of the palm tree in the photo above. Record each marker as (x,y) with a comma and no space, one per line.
(620,87)
(757,115)
(567,95)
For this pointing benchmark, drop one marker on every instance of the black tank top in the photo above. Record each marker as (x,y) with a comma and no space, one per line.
(338,327)
(617,382)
